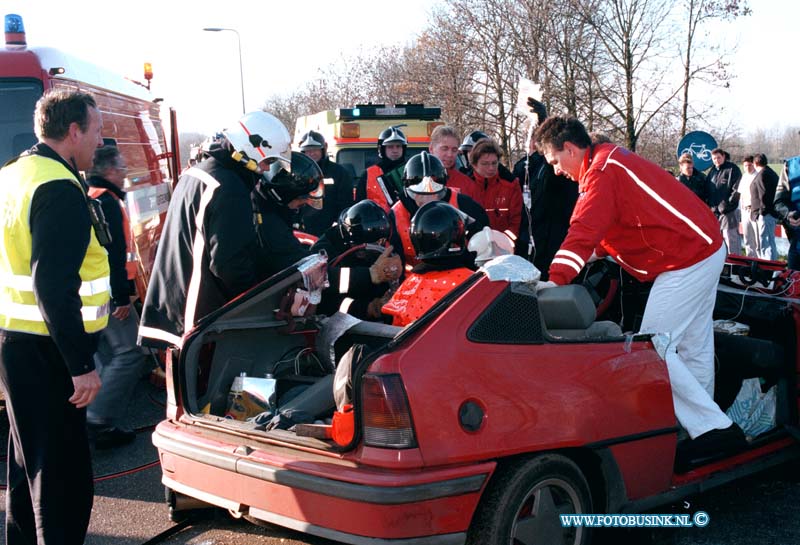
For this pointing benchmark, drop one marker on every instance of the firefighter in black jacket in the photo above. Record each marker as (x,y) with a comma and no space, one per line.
(53,297)
(362,276)
(208,252)
(339,188)
(277,196)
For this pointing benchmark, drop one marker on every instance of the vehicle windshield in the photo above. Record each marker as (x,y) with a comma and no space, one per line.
(360,159)
(17,101)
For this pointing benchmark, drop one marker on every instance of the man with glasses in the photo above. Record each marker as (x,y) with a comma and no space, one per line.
(118,359)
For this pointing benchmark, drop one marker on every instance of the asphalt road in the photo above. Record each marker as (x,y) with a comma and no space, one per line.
(129,508)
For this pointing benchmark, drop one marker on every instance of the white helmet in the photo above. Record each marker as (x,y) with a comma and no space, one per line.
(260,136)
(488,244)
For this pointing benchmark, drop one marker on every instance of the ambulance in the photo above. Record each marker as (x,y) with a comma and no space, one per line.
(352,133)
(131,121)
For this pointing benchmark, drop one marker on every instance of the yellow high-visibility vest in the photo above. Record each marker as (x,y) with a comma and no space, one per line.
(19,310)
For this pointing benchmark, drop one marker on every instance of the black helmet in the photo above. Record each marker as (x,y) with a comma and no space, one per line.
(363,223)
(438,230)
(392,135)
(424,174)
(471,139)
(304,180)
(312,140)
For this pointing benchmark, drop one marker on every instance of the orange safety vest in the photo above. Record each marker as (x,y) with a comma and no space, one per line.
(132,260)
(375,192)
(419,292)
(402,221)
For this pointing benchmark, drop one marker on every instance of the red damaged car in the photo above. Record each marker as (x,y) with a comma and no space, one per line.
(480,423)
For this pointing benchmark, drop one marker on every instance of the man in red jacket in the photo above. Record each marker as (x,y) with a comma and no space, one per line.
(657,230)
(444,146)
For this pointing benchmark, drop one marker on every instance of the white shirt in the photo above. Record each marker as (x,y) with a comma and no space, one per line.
(744,189)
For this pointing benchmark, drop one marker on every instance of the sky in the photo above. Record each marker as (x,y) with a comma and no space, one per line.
(284,43)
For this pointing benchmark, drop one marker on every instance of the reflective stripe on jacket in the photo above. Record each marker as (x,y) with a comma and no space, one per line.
(402,221)
(19,309)
(375,191)
(419,292)
(637,213)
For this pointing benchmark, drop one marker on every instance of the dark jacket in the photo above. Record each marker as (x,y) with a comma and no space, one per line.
(60,230)
(226,264)
(339,195)
(700,186)
(726,180)
(552,200)
(121,288)
(349,278)
(762,193)
(278,248)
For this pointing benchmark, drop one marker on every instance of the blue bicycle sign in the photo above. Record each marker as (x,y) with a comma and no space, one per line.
(699,144)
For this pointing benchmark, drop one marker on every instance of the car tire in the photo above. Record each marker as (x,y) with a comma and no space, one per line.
(522,504)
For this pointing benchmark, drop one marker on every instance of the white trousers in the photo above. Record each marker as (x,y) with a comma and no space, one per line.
(681,303)
(750,236)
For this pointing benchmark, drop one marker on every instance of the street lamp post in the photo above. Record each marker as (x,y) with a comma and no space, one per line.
(239,43)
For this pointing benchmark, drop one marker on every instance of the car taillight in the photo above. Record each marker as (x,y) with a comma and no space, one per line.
(386,414)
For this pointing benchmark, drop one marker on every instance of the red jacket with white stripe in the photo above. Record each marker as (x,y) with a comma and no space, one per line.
(502,201)
(637,213)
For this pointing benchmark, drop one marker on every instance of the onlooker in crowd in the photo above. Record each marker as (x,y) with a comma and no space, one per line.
(382,182)
(118,359)
(750,236)
(726,176)
(762,197)
(339,188)
(425,180)
(444,146)
(208,252)
(787,208)
(53,298)
(501,199)
(438,235)
(466,147)
(634,211)
(695,180)
(552,199)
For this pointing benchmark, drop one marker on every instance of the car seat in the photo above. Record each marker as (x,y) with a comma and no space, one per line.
(568,312)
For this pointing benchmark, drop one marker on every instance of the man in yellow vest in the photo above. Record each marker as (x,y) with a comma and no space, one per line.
(53,296)
(119,359)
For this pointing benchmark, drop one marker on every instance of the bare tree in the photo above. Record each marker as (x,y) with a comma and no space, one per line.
(631,37)
(711,64)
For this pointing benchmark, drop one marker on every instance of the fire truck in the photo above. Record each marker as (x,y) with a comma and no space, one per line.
(352,133)
(131,121)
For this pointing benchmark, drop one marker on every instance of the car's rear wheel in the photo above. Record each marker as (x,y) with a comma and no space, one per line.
(522,504)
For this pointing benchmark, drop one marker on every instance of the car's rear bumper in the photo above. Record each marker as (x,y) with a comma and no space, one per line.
(351,504)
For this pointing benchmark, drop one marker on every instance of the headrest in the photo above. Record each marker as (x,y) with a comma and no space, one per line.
(566,307)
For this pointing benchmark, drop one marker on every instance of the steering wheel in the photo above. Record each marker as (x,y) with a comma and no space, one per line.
(601,280)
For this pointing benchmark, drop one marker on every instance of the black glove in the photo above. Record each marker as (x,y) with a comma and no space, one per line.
(537,108)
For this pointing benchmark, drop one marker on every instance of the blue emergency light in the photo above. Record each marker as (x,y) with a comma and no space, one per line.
(14,24)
